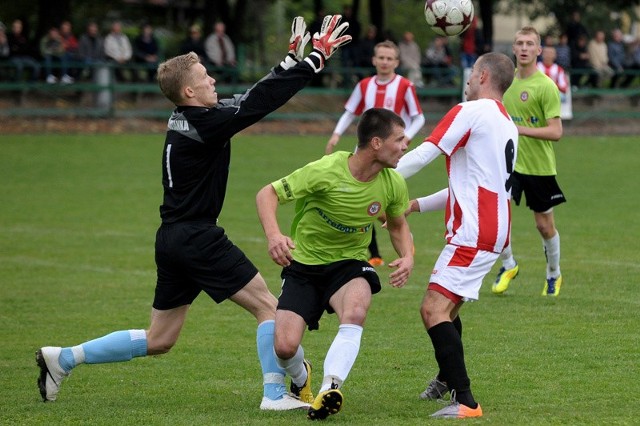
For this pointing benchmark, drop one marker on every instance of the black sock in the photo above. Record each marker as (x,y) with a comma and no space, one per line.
(373,245)
(457,323)
(450,356)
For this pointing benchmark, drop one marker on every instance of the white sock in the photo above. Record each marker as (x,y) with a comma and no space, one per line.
(552,252)
(294,367)
(341,355)
(508,262)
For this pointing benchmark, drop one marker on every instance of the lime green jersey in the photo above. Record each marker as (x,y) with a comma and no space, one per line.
(334,212)
(530,103)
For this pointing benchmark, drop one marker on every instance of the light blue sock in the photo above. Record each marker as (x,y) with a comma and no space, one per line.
(273,376)
(115,347)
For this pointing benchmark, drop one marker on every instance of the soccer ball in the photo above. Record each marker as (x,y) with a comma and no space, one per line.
(448,17)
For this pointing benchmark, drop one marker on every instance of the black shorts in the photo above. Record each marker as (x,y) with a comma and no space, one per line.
(197,256)
(542,192)
(306,289)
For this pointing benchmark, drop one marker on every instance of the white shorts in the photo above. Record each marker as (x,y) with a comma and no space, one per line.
(462,269)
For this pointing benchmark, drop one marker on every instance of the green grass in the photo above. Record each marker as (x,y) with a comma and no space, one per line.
(77,226)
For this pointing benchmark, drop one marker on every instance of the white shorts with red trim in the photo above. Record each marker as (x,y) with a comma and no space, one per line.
(462,269)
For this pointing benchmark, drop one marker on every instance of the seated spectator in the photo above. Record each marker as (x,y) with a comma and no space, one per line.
(554,71)
(617,54)
(70,43)
(91,48)
(633,64)
(5,51)
(146,50)
(563,52)
(410,58)
(117,49)
(582,73)
(221,51)
(194,43)
(438,59)
(52,51)
(22,52)
(5,72)
(599,57)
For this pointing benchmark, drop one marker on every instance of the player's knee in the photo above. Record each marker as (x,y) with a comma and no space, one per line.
(356,315)
(285,350)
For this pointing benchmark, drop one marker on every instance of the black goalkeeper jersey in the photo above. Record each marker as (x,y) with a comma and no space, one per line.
(197,149)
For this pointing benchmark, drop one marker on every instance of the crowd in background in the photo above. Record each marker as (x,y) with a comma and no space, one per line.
(588,58)
(62,57)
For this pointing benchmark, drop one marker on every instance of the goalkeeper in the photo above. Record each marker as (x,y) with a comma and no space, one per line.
(192,252)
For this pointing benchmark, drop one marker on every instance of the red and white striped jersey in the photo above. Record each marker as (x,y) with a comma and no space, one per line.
(480,142)
(556,73)
(398,95)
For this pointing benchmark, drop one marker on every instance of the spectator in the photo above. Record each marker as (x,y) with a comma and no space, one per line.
(468,45)
(575,29)
(5,51)
(599,56)
(52,51)
(617,55)
(552,70)
(194,43)
(410,58)
(117,49)
(633,64)
(581,68)
(91,47)
(146,51)
(563,52)
(22,51)
(221,52)
(71,47)
(367,46)
(437,57)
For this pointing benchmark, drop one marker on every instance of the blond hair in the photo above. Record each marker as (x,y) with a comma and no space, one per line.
(388,44)
(173,75)
(528,30)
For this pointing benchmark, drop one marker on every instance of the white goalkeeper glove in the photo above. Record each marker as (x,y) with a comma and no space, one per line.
(327,41)
(297,42)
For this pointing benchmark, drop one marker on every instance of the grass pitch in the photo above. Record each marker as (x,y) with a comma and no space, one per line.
(77,226)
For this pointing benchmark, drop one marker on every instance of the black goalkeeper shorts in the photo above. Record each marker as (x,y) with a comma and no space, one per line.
(197,256)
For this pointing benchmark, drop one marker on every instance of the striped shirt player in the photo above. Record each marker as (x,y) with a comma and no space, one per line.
(479,141)
(552,70)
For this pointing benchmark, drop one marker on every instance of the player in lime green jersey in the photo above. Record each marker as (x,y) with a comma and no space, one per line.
(533,101)
(324,262)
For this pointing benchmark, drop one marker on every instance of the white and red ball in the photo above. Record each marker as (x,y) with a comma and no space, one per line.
(448,17)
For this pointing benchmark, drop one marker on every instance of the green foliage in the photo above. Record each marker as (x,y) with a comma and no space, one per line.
(595,14)
(79,215)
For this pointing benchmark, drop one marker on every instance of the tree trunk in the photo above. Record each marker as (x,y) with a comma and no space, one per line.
(486,15)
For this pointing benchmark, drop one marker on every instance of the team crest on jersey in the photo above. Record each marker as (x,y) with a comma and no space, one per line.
(374,208)
(524,96)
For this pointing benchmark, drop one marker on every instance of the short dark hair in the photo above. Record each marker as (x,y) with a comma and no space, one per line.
(377,122)
(501,68)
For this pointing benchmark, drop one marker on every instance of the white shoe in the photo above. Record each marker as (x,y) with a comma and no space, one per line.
(51,79)
(67,79)
(287,402)
(51,373)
